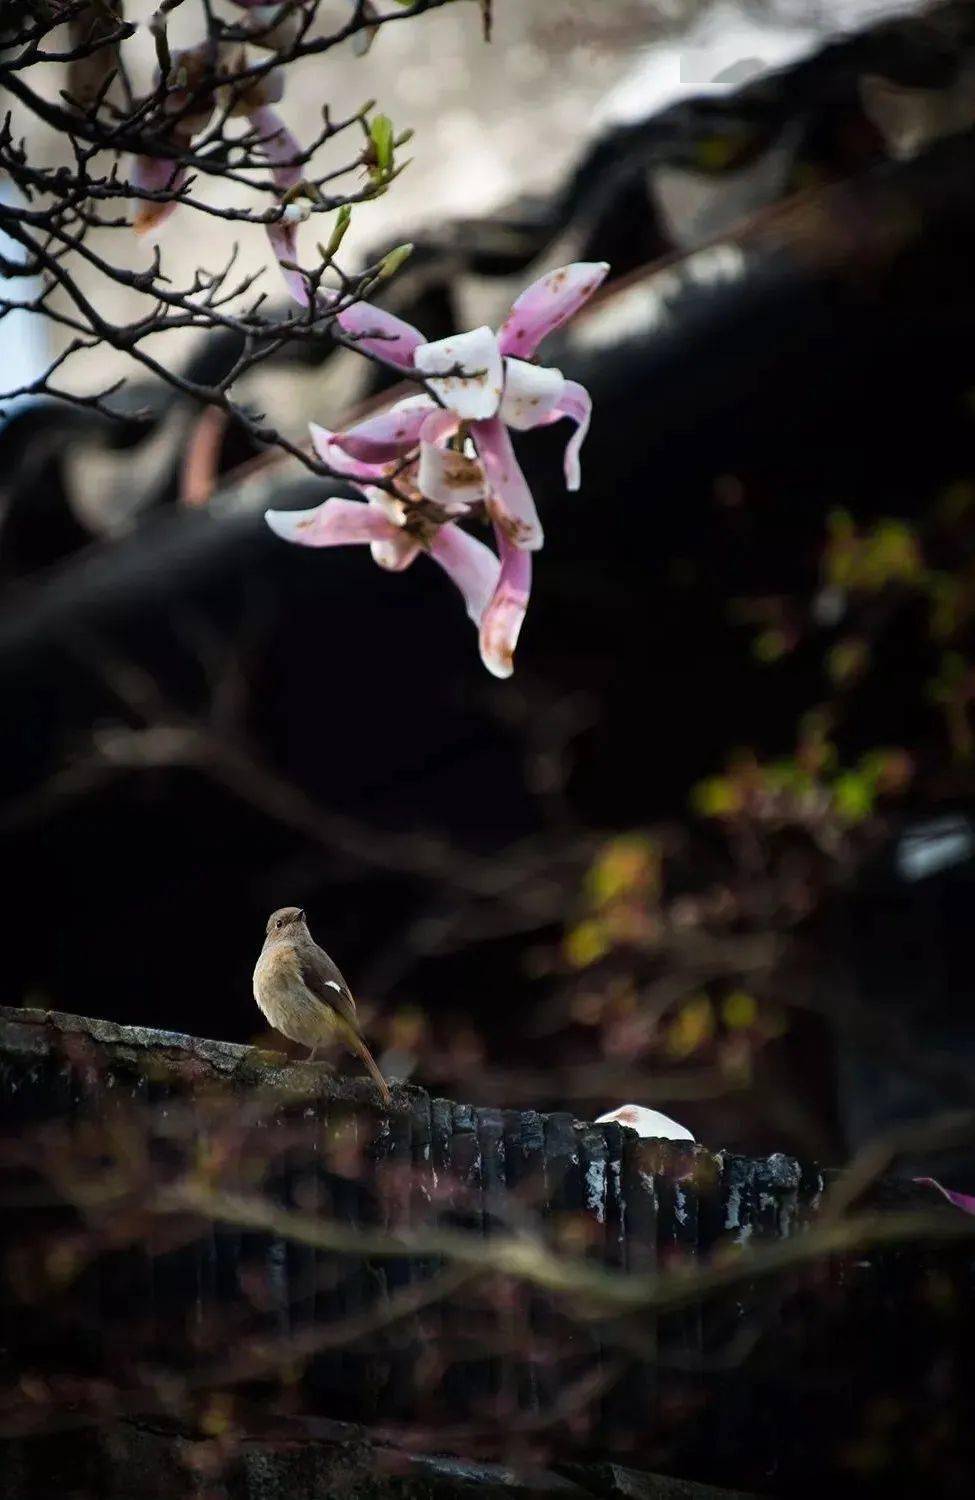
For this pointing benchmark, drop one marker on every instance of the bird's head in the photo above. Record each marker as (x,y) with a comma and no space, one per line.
(287,922)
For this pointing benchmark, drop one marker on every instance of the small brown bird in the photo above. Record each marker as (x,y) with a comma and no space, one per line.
(303,994)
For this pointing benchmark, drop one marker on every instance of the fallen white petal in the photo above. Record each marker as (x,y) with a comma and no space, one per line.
(650,1124)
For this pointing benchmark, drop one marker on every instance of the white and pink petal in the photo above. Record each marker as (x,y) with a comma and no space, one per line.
(335,523)
(451,479)
(474,390)
(389,434)
(440,425)
(155,174)
(400,550)
(283,237)
(502,620)
(282,150)
(331,451)
(531,394)
(576,403)
(376,331)
(510,503)
(279,146)
(547,304)
(471,565)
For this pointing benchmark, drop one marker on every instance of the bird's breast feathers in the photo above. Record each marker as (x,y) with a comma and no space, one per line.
(277,966)
(286,1001)
(277,981)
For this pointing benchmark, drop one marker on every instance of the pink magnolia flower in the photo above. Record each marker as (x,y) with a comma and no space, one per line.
(396,538)
(273,139)
(444,482)
(486,380)
(479,387)
(382,447)
(282,151)
(432,490)
(504,616)
(156,174)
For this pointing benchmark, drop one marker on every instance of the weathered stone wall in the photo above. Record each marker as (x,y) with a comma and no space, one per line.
(770,1382)
(136,1460)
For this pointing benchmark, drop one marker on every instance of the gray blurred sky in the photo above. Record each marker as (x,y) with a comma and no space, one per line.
(490,121)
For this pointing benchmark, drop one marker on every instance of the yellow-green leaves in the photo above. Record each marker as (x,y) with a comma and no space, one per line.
(379,154)
(622,885)
(717,797)
(868,560)
(691,1027)
(625,866)
(847,661)
(739,1010)
(811,788)
(381,136)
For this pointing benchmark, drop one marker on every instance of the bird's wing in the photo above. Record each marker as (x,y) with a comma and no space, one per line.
(324,980)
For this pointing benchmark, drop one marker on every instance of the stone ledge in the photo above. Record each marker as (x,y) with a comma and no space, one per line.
(131,1458)
(174,1057)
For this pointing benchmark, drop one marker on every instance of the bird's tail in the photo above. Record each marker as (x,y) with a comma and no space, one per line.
(360,1047)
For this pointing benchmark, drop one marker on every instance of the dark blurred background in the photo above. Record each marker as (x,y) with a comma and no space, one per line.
(710,849)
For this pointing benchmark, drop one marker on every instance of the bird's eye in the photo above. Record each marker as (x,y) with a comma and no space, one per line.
(279,923)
